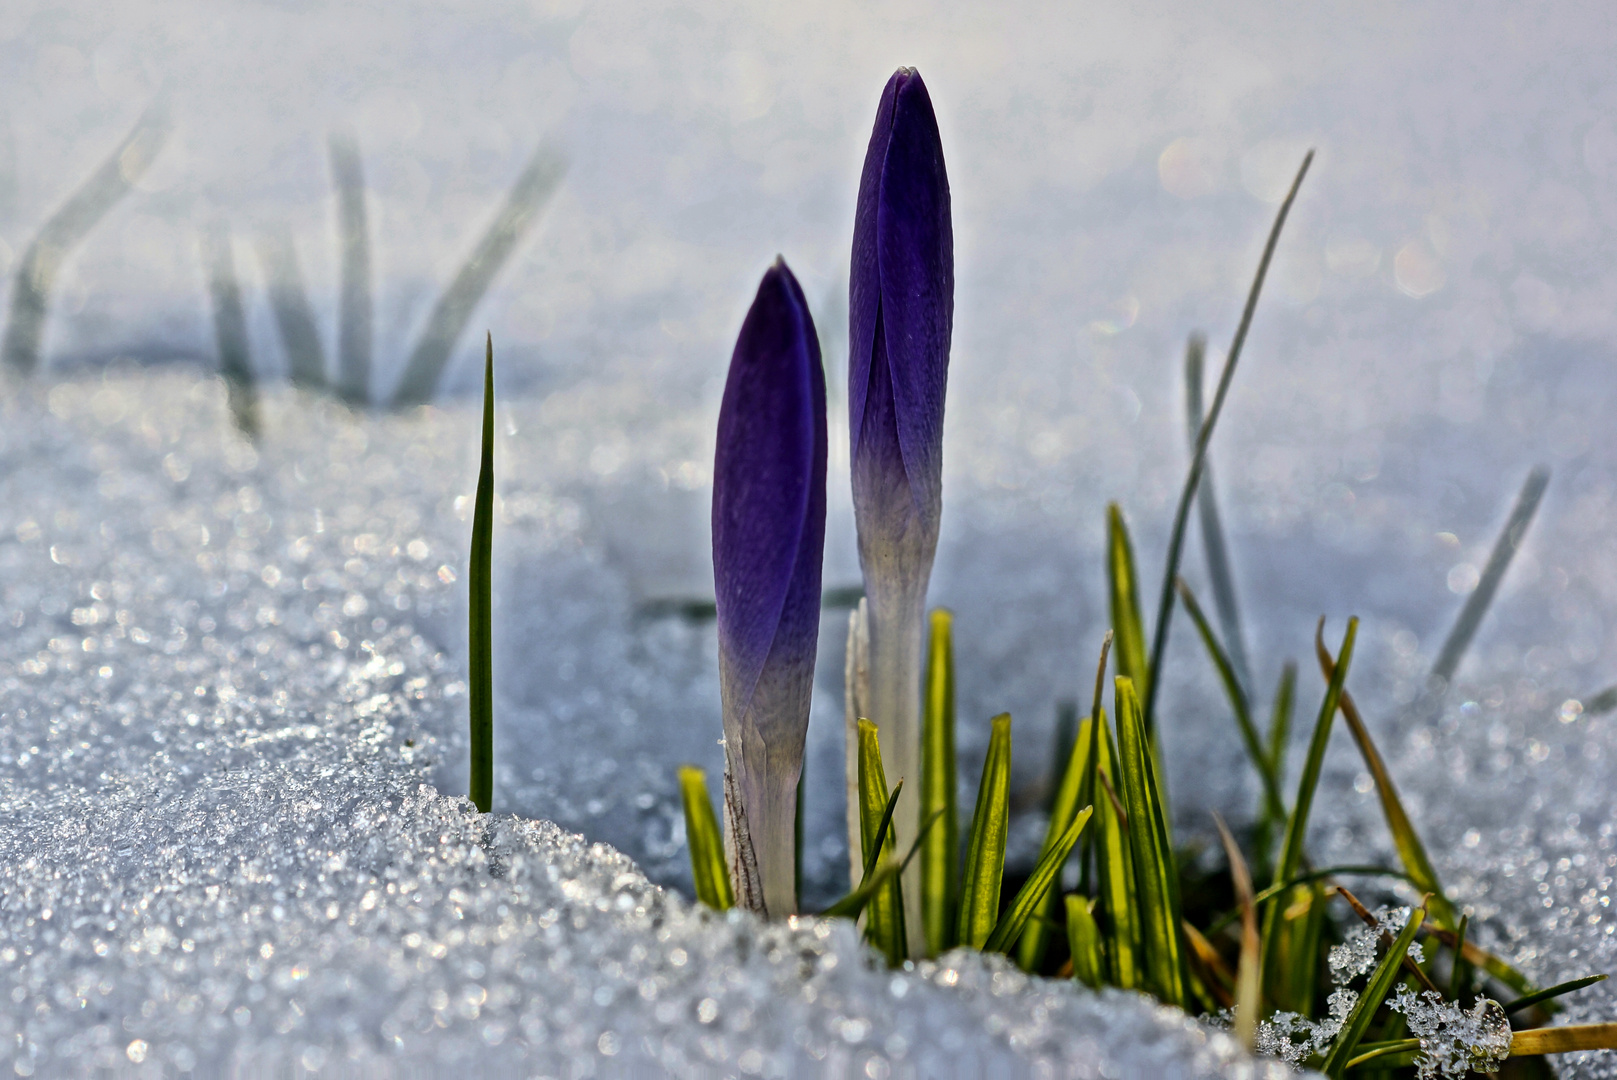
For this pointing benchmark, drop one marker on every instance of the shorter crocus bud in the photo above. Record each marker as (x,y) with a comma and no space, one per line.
(768,541)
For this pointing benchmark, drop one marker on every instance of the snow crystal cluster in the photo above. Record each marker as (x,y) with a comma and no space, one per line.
(1357,953)
(1454,1042)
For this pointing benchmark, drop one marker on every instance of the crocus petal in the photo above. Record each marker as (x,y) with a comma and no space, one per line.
(901,291)
(768,543)
(769,488)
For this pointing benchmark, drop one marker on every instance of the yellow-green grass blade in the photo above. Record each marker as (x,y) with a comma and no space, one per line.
(1156,874)
(1087,794)
(985,850)
(1084,939)
(1380,984)
(1128,628)
(1563,1040)
(706,843)
(1031,896)
(1273,805)
(1411,852)
(1386,1055)
(480,606)
(1030,950)
(1116,863)
(884,918)
(1198,457)
(942,847)
(1249,970)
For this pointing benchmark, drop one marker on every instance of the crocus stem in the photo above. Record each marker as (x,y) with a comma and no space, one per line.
(895,705)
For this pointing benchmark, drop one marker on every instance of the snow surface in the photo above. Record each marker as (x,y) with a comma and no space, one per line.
(1441,316)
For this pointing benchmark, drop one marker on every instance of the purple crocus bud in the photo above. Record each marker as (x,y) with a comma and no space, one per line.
(900,318)
(768,539)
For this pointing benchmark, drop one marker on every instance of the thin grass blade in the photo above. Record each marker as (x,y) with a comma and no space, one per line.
(533,188)
(1504,550)
(480,606)
(1030,950)
(1278,742)
(1381,982)
(1198,459)
(1128,628)
(884,923)
(1156,874)
(1031,896)
(938,783)
(1411,852)
(853,904)
(1084,939)
(706,843)
(1273,804)
(1369,1052)
(1291,847)
(1214,548)
(985,850)
(1527,1001)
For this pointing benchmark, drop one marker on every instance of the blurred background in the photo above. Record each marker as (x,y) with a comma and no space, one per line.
(344,196)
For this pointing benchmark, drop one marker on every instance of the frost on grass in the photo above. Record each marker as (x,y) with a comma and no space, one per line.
(1357,953)
(1294,1038)
(1454,1043)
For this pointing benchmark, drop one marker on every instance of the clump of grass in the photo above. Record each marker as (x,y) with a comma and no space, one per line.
(1298,969)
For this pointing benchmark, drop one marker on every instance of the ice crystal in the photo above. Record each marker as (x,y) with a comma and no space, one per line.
(1454,1042)
(1357,953)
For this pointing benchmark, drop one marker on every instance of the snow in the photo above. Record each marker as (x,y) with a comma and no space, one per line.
(1438,320)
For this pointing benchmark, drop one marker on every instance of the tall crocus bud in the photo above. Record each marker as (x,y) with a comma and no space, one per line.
(768,539)
(900,316)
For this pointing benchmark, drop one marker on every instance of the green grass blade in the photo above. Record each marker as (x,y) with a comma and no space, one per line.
(1116,864)
(1291,847)
(884,922)
(1393,1048)
(1083,938)
(1280,719)
(1273,805)
(883,829)
(985,850)
(1198,459)
(1214,548)
(480,606)
(1380,984)
(1527,1001)
(706,843)
(1504,550)
(1034,891)
(1156,874)
(1128,628)
(942,847)
(853,904)
(1030,950)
